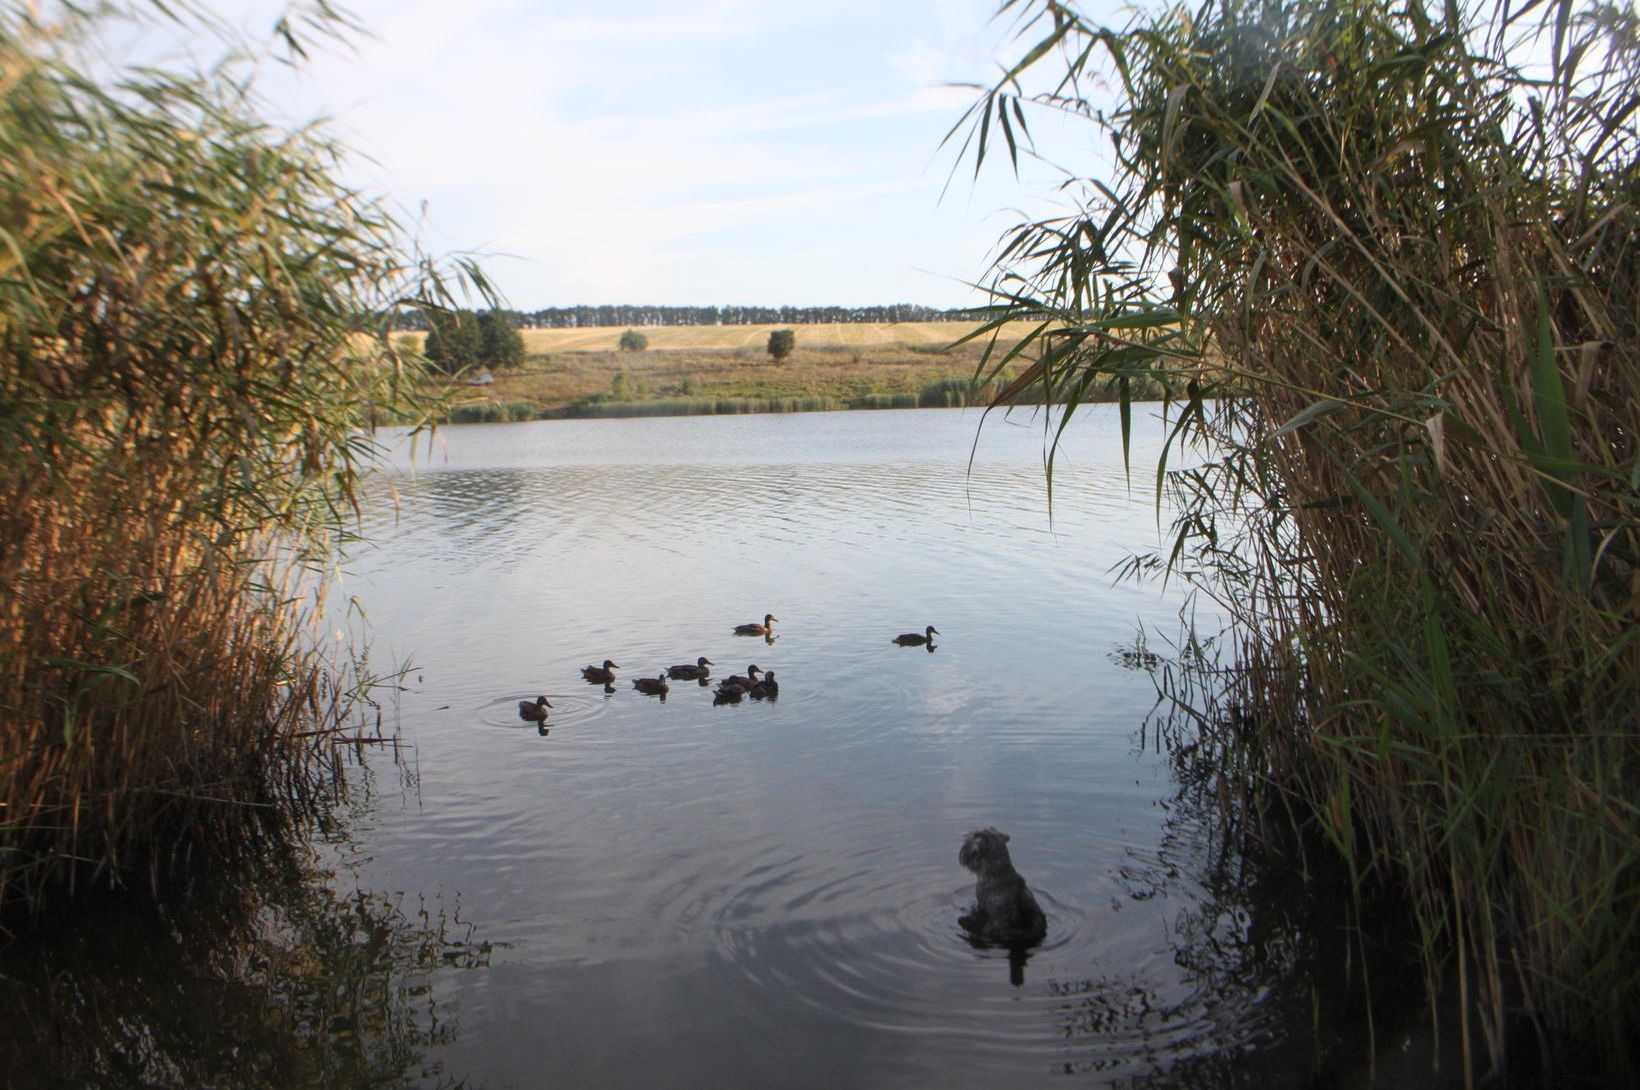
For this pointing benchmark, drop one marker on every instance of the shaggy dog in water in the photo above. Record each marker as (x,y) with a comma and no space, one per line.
(1006,913)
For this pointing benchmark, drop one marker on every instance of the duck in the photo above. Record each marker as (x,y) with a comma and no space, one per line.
(917,639)
(767,688)
(764,629)
(730,695)
(654,686)
(702,668)
(534,711)
(604,673)
(743,681)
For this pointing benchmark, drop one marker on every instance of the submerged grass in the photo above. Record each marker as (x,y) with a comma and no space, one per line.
(1406,235)
(190,319)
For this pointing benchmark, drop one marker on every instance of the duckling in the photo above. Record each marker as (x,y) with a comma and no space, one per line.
(533,711)
(767,688)
(604,673)
(917,639)
(743,681)
(702,669)
(764,629)
(654,686)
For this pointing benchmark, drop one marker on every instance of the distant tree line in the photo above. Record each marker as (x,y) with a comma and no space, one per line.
(633,315)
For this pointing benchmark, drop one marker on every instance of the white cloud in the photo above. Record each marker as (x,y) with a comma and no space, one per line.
(660,151)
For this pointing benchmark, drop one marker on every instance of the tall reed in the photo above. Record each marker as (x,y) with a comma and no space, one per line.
(192,340)
(1385,257)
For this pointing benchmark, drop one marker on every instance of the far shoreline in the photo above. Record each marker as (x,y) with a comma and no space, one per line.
(718,372)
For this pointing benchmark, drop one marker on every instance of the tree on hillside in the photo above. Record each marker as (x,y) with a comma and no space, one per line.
(461,340)
(633,341)
(500,345)
(452,341)
(781,343)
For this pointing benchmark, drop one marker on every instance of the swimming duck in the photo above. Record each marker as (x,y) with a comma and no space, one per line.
(654,686)
(743,681)
(730,695)
(767,688)
(604,673)
(534,711)
(702,668)
(917,639)
(764,629)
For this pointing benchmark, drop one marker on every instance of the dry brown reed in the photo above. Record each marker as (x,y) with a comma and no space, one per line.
(190,345)
(1416,259)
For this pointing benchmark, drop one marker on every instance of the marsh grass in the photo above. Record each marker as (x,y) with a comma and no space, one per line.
(1405,237)
(192,343)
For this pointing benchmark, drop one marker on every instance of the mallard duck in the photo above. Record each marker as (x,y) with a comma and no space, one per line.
(654,686)
(702,668)
(730,695)
(917,639)
(743,681)
(767,688)
(534,711)
(604,673)
(764,629)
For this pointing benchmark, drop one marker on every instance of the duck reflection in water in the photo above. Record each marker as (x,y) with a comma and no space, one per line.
(1005,912)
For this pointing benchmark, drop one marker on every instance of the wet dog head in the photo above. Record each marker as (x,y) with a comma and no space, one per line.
(984,849)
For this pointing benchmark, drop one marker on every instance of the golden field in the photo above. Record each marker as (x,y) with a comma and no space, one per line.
(727,369)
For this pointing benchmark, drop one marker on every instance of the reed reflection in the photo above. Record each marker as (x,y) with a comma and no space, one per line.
(274,980)
(1252,941)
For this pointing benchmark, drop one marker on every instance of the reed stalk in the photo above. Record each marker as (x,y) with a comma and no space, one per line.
(1384,258)
(192,347)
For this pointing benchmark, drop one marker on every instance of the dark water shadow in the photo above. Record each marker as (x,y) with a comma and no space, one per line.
(267,971)
(1296,982)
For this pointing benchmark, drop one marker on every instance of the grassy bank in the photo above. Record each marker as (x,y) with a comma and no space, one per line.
(1418,263)
(178,451)
(721,338)
(680,381)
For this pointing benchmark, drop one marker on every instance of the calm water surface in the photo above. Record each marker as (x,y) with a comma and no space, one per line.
(672,893)
(687,894)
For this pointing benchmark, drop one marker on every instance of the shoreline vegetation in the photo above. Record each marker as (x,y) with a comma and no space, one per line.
(706,370)
(179,455)
(1408,233)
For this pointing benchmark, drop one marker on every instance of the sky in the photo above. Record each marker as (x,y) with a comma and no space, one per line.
(689,152)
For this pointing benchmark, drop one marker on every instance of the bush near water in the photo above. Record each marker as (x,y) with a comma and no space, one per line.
(190,344)
(1406,236)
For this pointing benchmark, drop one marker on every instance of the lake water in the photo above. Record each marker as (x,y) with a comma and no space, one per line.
(677,893)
